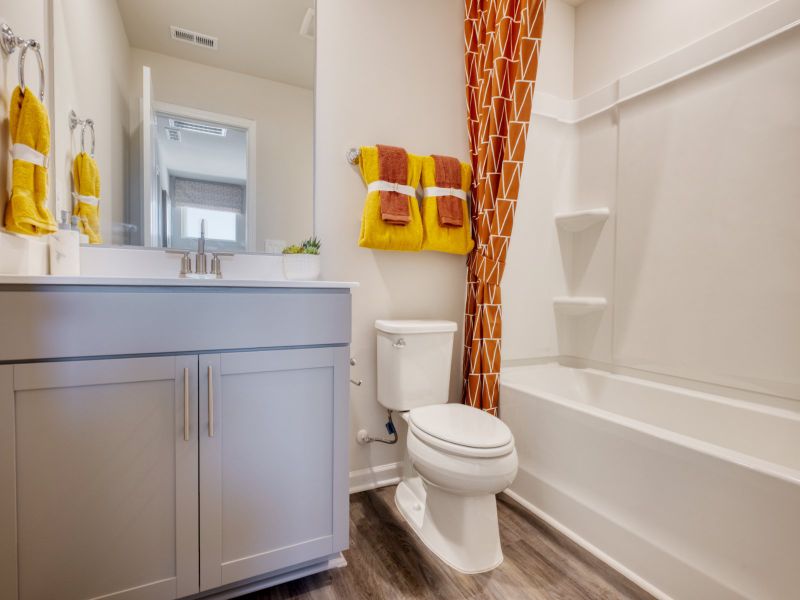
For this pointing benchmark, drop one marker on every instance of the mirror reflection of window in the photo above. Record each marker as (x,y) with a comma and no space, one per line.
(202,175)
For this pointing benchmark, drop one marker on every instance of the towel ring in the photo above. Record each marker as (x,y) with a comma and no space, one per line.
(90,124)
(9,42)
(37,48)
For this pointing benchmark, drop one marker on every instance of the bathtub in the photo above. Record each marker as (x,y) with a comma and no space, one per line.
(694,496)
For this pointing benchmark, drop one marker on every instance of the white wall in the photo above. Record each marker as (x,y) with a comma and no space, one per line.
(615,37)
(284,133)
(699,259)
(92,65)
(378,83)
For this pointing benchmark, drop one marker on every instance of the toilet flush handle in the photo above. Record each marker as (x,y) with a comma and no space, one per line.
(401,343)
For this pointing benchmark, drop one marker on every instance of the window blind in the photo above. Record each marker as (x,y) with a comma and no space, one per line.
(208,194)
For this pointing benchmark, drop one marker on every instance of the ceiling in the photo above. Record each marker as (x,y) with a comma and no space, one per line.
(256,37)
(204,156)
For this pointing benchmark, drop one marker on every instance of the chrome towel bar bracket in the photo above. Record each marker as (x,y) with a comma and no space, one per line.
(352,155)
(74,122)
(9,42)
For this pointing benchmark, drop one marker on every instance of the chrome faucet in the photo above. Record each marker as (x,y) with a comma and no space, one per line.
(200,263)
(201,260)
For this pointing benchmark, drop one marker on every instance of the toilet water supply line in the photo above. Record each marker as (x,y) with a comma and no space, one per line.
(363,437)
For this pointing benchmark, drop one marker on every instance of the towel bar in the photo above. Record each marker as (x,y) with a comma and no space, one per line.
(352,155)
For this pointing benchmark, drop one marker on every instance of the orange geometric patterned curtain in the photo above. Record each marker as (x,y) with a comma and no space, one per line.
(502,40)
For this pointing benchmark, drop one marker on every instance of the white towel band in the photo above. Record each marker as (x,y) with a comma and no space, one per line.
(90,200)
(388,186)
(440,191)
(28,154)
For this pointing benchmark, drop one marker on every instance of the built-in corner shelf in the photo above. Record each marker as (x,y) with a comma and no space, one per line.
(579,305)
(579,220)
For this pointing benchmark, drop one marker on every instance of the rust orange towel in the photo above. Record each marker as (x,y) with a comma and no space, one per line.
(393,167)
(448,175)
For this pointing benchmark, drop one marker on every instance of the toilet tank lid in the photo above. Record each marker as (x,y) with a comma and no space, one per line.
(415,326)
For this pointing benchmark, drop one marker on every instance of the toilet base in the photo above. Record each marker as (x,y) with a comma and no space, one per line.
(461,530)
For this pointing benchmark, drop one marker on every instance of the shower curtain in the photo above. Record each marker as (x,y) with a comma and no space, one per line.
(502,40)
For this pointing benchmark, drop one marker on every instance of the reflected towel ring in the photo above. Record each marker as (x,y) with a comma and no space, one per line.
(90,124)
(37,48)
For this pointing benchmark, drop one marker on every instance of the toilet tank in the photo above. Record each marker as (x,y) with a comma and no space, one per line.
(414,362)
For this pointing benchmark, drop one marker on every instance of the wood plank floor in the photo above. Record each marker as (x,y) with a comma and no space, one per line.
(387,561)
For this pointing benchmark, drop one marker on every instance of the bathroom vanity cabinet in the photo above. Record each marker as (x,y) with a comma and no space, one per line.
(140,459)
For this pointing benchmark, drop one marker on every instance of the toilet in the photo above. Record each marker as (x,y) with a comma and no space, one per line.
(457,457)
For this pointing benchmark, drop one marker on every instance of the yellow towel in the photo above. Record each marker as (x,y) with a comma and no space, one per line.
(26,210)
(86,179)
(374,232)
(455,240)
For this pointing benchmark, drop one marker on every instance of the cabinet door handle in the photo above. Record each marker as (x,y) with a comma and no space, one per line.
(186,404)
(210,402)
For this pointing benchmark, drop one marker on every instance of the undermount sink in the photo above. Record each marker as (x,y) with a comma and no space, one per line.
(198,281)
(125,266)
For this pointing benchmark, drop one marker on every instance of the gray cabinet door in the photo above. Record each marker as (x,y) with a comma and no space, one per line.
(105,478)
(273,462)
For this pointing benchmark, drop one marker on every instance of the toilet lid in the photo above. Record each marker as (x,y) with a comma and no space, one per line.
(461,424)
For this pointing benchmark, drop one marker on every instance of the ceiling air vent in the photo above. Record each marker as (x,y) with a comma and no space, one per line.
(198,127)
(173,134)
(194,38)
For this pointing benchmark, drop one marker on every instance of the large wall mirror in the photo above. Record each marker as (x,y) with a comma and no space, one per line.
(202,110)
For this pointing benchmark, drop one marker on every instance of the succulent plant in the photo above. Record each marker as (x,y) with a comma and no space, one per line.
(310,246)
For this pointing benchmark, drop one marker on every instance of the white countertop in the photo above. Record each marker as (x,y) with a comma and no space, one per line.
(171,282)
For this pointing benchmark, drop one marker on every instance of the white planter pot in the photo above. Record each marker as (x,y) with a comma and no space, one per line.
(301,267)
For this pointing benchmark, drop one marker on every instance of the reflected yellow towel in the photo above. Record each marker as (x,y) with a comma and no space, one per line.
(454,240)
(26,210)
(375,233)
(86,179)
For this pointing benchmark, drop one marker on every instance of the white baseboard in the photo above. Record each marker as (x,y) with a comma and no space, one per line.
(375,477)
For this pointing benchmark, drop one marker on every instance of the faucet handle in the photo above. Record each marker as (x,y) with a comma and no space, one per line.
(216,263)
(186,260)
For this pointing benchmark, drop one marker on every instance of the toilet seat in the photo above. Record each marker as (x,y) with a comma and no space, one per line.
(461,430)
(460,470)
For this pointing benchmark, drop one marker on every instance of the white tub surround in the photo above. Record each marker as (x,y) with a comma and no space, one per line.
(576,306)
(170,438)
(578,220)
(748,31)
(690,494)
